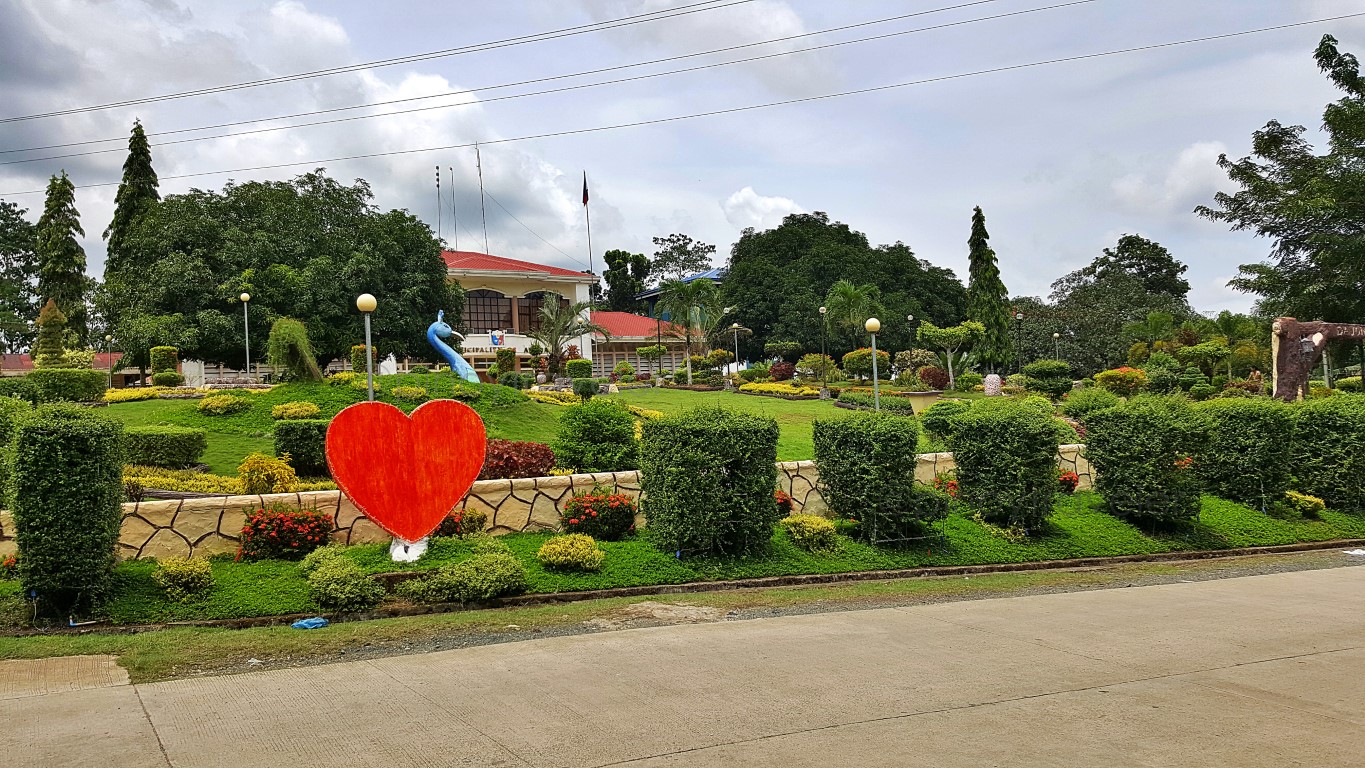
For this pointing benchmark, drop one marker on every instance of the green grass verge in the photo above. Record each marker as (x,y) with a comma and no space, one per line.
(1078,528)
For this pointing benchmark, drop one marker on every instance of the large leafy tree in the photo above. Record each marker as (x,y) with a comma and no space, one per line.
(137,193)
(303,248)
(778,278)
(61,259)
(678,256)
(987,299)
(18,278)
(1310,206)
(625,275)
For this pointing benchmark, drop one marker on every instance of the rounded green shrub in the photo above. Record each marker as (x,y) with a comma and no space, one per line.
(811,532)
(707,478)
(1348,384)
(167,379)
(489,574)
(571,552)
(183,578)
(1248,456)
(1048,377)
(597,436)
(1329,451)
(410,394)
(67,488)
(578,368)
(936,418)
(1144,453)
(317,557)
(296,409)
(164,446)
(1005,451)
(18,387)
(305,442)
(338,583)
(585,388)
(867,470)
(1083,402)
(163,358)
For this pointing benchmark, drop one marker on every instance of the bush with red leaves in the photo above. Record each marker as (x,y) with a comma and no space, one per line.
(933,377)
(782,371)
(508,459)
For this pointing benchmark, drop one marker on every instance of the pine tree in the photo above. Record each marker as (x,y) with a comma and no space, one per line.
(136,193)
(987,299)
(61,259)
(49,352)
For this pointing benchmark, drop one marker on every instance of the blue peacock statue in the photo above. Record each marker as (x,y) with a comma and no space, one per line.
(441,330)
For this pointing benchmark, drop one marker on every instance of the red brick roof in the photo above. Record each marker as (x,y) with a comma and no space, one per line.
(627,324)
(485,262)
(25,363)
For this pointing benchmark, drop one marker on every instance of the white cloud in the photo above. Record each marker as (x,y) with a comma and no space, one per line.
(1191,179)
(747,208)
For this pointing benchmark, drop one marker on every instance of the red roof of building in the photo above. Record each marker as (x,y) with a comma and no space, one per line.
(627,324)
(25,363)
(487,263)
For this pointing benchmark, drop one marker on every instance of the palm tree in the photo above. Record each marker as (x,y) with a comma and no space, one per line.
(560,323)
(1158,326)
(685,302)
(1239,332)
(849,305)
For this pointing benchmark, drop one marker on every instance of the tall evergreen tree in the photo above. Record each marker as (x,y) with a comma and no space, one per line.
(625,276)
(987,299)
(61,259)
(18,273)
(136,193)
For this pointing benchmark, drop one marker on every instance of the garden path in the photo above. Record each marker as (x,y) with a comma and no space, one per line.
(1254,671)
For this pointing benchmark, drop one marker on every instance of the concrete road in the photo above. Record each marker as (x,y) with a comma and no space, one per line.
(1256,671)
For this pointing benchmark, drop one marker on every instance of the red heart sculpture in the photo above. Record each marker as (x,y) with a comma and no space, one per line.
(406,472)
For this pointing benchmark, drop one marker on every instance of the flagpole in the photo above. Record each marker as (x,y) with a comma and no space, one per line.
(483,212)
(592,296)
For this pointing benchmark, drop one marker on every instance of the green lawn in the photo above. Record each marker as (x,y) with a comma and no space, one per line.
(1078,528)
(505,413)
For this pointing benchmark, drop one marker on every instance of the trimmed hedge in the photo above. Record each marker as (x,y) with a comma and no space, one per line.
(167,379)
(20,387)
(305,440)
(68,486)
(1329,450)
(597,436)
(578,368)
(1144,453)
(1249,453)
(867,467)
(889,402)
(163,359)
(1083,402)
(707,478)
(937,418)
(1050,377)
(1006,456)
(164,446)
(78,385)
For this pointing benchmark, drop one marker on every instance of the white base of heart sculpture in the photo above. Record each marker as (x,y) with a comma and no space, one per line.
(407,551)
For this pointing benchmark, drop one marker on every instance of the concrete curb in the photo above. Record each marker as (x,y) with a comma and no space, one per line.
(548,598)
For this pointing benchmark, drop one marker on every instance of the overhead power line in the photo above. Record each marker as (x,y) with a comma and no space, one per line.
(499,86)
(746,108)
(555,34)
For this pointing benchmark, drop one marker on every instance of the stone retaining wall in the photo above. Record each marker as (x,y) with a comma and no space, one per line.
(210,525)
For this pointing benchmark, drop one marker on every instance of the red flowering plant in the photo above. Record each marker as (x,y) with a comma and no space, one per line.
(1068,481)
(946,483)
(784,502)
(9,567)
(281,532)
(1184,462)
(603,515)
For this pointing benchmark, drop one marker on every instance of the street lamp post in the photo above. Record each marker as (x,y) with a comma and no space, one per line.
(824,357)
(1019,341)
(1056,345)
(735,328)
(109,353)
(366,304)
(246,330)
(873,325)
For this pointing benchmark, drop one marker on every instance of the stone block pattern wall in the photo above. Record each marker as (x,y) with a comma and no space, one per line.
(208,526)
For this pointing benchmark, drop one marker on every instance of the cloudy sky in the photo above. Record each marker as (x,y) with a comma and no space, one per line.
(1064,158)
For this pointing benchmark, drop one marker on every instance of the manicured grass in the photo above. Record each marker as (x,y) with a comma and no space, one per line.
(1078,528)
(794,417)
(506,414)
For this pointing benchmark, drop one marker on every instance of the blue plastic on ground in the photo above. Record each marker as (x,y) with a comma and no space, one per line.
(317,622)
